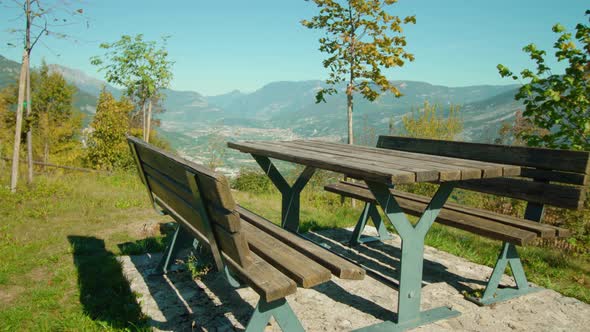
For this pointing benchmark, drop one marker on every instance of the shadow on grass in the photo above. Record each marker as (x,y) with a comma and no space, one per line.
(152,244)
(104,291)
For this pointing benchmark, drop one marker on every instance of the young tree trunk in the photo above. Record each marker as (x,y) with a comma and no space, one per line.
(30,129)
(143,113)
(148,124)
(46,152)
(28,94)
(349,111)
(19,122)
(350,132)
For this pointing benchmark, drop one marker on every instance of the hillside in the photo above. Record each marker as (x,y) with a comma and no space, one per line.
(284,110)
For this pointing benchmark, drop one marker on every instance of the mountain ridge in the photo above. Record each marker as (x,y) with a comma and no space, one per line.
(287,109)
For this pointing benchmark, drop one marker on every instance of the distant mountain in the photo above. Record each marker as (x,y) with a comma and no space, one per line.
(284,110)
(9,71)
(83,81)
(225,100)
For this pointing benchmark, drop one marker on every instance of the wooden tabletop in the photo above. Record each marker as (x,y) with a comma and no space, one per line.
(382,165)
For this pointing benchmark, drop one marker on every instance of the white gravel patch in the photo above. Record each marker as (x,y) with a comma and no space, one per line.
(177,303)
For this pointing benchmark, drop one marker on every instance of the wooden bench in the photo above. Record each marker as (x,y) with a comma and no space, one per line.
(549,177)
(246,248)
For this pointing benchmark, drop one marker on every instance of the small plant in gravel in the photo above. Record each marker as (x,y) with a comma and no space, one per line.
(199,265)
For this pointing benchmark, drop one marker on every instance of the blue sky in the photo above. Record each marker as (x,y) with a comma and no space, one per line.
(219,46)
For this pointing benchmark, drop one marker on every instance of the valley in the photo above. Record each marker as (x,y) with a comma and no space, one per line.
(198,126)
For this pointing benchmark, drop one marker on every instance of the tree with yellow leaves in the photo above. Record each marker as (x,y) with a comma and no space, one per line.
(361,37)
(107,147)
(430,122)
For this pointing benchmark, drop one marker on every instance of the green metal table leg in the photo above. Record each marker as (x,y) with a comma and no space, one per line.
(369,211)
(412,259)
(278,309)
(290,194)
(508,255)
(492,293)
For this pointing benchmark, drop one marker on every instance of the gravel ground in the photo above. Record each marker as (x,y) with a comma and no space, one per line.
(177,303)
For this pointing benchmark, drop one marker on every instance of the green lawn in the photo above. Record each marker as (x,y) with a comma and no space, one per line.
(59,240)
(58,247)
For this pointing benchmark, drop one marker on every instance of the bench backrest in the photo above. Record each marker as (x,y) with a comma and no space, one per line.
(549,176)
(197,198)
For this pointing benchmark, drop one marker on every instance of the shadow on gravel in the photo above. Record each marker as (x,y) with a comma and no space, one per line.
(382,260)
(184,303)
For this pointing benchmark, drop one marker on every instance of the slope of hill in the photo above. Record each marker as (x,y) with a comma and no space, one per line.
(282,110)
(8,71)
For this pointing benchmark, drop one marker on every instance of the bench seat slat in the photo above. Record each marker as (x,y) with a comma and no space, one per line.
(542,230)
(270,283)
(339,266)
(304,271)
(514,230)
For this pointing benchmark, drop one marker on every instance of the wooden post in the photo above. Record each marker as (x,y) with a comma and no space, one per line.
(30,128)
(19,122)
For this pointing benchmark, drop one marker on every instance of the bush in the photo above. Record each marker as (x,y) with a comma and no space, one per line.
(253,181)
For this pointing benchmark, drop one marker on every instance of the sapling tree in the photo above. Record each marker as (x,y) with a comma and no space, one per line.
(142,68)
(360,39)
(41,18)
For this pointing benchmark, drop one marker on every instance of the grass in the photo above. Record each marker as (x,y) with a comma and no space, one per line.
(59,240)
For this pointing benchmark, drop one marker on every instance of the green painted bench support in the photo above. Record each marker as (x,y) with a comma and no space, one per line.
(493,292)
(369,211)
(278,309)
(181,239)
(290,194)
(412,259)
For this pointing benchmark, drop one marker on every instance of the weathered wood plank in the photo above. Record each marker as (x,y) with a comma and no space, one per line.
(569,197)
(542,230)
(556,176)
(338,266)
(338,160)
(549,159)
(488,169)
(213,186)
(234,244)
(264,279)
(505,228)
(435,173)
(331,163)
(157,153)
(446,169)
(226,218)
(304,271)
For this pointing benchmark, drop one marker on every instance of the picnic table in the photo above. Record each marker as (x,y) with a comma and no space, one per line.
(381,171)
